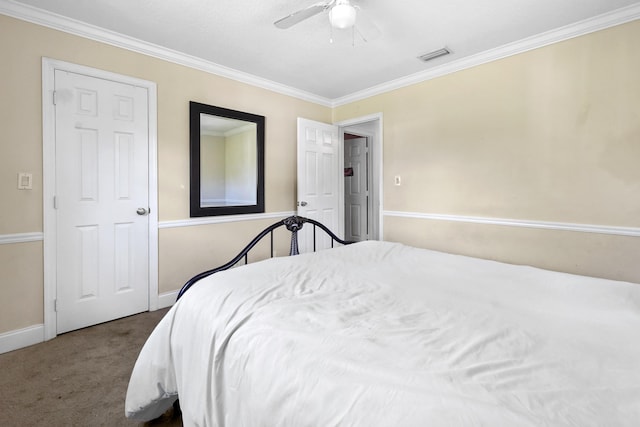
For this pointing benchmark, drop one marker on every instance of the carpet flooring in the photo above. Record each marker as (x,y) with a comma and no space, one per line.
(77,379)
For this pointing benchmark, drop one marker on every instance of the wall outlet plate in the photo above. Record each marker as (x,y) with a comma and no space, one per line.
(25,181)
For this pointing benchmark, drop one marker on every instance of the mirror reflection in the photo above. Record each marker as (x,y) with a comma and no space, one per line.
(226,161)
(228,153)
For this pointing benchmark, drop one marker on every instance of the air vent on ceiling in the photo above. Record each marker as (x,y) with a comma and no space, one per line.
(435,54)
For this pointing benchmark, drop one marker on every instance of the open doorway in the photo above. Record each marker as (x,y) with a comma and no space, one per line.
(362,177)
(321,160)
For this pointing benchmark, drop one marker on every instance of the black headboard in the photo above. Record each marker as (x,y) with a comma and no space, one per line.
(292,223)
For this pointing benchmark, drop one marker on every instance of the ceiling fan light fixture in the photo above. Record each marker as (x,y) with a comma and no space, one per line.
(342,16)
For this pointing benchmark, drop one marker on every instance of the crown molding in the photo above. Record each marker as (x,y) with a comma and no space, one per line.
(71,26)
(92,32)
(597,23)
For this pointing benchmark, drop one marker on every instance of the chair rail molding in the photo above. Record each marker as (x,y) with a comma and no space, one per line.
(547,225)
(222,219)
(6,239)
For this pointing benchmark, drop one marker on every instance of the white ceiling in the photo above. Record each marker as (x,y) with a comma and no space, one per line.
(240,35)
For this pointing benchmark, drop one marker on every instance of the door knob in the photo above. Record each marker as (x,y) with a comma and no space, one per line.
(142,211)
(303,203)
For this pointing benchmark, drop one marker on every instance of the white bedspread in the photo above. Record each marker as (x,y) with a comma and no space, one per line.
(381,334)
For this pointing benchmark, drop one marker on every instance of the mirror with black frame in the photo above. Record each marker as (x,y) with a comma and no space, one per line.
(227,161)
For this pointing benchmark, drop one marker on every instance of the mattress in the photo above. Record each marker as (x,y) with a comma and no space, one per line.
(383,334)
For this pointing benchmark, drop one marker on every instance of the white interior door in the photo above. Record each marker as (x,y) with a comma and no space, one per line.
(356,189)
(102,199)
(320,187)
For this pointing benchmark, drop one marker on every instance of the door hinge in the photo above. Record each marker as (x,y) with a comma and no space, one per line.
(55,305)
(54,97)
(55,202)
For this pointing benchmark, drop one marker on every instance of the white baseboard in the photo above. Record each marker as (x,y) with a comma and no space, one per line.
(19,338)
(167,299)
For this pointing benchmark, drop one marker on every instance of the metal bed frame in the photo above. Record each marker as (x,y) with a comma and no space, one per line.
(292,223)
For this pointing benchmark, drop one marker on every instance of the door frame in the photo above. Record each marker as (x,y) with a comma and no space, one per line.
(49,66)
(376,151)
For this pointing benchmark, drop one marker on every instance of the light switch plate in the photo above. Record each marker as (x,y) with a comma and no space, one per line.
(25,181)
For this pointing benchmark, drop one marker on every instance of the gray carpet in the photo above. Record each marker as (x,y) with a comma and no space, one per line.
(77,379)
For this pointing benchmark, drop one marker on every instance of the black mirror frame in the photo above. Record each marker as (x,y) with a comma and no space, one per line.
(196,209)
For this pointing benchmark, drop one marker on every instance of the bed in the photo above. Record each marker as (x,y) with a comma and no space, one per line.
(382,334)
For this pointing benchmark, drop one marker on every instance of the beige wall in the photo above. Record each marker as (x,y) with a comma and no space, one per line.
(21,287)
(241,173)
(22,46)
(548,135)
(217,242)
(212,166)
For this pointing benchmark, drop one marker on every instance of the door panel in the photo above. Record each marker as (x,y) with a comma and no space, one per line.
(101,180)
(356,189)
(320,194)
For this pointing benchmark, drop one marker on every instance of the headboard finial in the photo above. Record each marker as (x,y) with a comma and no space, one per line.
(293,224)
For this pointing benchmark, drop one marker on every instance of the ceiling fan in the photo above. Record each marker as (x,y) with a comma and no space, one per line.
(342,15)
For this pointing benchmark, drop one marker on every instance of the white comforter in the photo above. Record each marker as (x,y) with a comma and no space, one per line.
(381,334)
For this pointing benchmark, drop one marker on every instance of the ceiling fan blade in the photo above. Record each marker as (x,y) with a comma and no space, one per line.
(301,15)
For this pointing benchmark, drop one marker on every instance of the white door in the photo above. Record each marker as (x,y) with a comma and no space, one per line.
(356,189)
(102,199)
(320,189)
